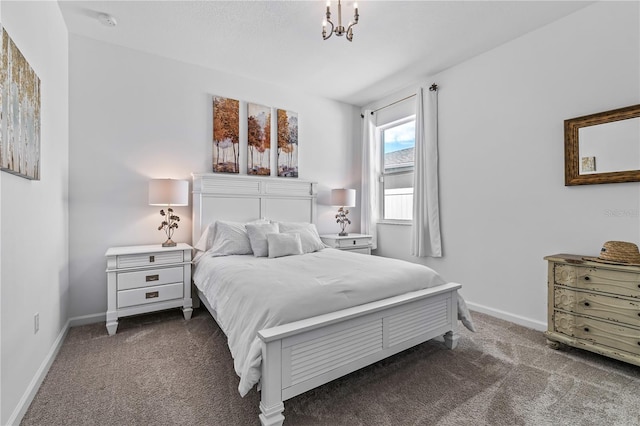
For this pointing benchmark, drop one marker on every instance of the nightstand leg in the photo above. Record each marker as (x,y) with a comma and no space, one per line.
(112,322)
(187,309)
(187,313)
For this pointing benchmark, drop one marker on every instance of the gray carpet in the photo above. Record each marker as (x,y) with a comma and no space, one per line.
(161,370)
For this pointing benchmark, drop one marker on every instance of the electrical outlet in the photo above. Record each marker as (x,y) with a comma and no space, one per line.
(36,322)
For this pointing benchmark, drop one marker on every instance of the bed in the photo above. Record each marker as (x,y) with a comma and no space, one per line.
(292,335)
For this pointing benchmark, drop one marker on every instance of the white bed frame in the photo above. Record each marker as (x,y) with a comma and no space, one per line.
(303,355)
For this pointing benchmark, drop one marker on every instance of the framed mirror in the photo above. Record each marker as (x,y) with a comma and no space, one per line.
(603,147)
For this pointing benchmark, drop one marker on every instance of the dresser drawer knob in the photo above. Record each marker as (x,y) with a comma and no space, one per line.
(586,329)
(151,295)
(587,304)
(587,278)
(150,278)
(152,259)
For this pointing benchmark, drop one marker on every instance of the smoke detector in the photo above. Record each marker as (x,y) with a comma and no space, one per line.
(107,20)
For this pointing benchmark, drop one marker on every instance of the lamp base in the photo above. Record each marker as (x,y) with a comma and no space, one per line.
(169,243)
(343,234)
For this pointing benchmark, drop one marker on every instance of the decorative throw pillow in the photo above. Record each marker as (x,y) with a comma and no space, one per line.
(309,237)
(258,237)
(230,238)
(283,245)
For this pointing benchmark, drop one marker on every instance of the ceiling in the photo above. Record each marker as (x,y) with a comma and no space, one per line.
(395,44)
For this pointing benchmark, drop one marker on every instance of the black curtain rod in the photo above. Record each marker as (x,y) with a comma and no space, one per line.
(432,88)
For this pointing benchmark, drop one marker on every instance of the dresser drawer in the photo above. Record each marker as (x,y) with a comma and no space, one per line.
(141,296)
(150,277)
(597,305)
(149,259)
(599,279)
(353,242)
(602,333)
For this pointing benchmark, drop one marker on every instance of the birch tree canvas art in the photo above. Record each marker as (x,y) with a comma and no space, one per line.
(19,112)
(258,140)
(287,143)
(226,131)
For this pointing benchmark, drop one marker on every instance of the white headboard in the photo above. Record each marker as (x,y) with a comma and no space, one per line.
(237,198)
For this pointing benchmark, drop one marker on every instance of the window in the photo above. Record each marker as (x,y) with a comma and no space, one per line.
(398,144)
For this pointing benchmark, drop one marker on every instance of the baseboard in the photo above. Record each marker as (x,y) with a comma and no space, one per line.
(517,319)
(38,378)
(87,319)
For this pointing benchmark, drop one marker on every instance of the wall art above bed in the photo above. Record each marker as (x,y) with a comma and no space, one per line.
(258,140)
(287,143)
(265,139)
(19,112)
(226,135)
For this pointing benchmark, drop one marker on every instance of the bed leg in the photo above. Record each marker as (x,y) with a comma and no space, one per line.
(451,339)
(271,405)
(271,416)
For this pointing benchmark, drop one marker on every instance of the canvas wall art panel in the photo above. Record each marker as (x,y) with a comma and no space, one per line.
(258,140)
(19,112)
(226,135)
(287,143)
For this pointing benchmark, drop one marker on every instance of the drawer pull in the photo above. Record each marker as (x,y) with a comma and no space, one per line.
(586,329)
(150,278)
(354,242)
(151,295)
(152,259)
(587,304)
(587,278)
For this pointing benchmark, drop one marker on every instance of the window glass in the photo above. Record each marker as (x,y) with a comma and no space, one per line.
(398,142)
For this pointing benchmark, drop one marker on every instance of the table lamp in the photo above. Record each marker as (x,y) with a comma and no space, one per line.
(168,192)
(343,198)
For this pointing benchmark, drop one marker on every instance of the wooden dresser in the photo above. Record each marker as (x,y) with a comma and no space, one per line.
(594,306)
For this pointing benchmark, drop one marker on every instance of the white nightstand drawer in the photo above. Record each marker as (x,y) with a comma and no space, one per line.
(353,242)
(150,277)
(141,296)
(149,259)
(363,250)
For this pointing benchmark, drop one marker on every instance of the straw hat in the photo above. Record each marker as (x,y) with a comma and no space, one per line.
(618,253)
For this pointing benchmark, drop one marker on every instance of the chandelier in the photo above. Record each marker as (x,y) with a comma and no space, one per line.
(339,30)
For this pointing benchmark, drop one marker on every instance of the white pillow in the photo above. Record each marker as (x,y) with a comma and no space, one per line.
(309,236)
(258,237)
(208,236)
(230,238)
(206,239)
(283,245)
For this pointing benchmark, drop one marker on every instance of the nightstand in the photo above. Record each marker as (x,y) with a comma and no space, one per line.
(356,243)
(148,278)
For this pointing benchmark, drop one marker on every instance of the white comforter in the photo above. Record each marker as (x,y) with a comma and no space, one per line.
(253,293)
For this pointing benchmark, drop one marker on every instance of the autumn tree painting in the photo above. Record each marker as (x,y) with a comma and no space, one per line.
(258,140)
(226,129)
(287,143)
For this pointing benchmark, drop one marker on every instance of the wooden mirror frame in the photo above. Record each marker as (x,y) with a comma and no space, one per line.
(572,174)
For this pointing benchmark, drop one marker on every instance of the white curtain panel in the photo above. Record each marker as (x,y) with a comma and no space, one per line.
(425,238)
(370,184)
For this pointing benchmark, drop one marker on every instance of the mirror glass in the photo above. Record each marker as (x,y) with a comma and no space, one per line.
(610,147)
(603,147)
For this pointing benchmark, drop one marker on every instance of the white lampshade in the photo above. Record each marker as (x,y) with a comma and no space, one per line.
(343,197)
(168,192)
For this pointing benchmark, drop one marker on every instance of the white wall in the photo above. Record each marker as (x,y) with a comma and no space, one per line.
(504,205)
(136,116)
(34,215)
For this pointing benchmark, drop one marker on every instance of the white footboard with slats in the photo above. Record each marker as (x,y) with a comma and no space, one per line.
(305,354)
(302,355)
